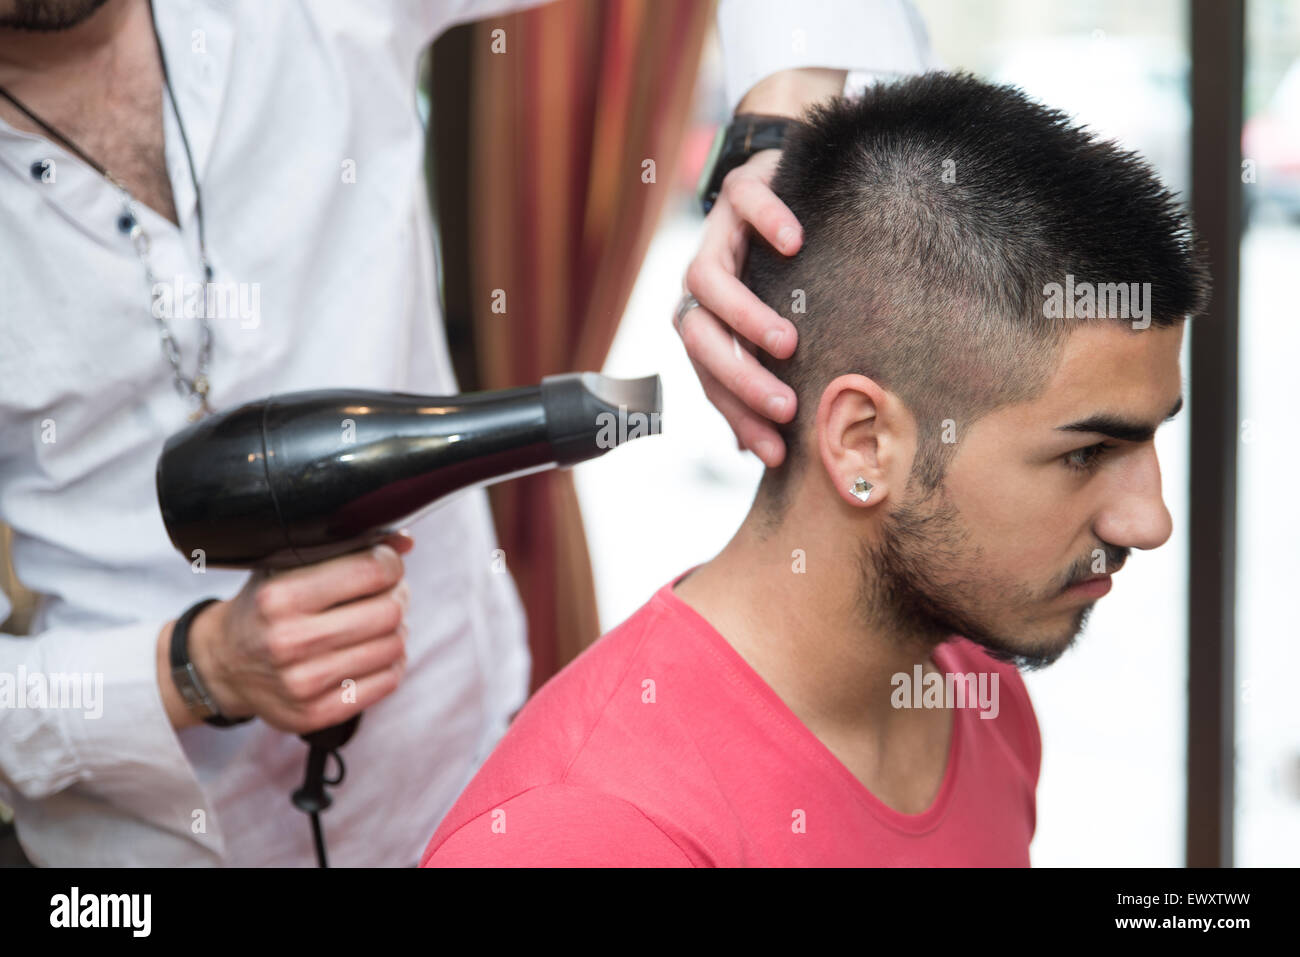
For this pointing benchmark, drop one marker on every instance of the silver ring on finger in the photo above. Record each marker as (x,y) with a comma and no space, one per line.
(687,303)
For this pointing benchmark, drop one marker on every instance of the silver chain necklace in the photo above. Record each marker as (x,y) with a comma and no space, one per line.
(195,389)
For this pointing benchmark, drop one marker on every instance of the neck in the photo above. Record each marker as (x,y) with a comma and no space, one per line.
(806,632)
(25,52)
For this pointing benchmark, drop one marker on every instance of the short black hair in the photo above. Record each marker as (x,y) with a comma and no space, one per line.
(935,210)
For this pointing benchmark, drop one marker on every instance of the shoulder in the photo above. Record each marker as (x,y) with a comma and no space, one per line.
(557,825)
(568,760)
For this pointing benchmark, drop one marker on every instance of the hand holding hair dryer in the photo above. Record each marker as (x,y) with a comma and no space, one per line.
(298,478)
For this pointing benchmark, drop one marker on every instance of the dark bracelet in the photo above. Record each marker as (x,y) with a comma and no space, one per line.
(186,677)
(734,144)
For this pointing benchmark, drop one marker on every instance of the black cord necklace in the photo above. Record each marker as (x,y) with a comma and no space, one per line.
(129,224)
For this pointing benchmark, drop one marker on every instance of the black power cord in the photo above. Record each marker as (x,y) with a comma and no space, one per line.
(312,796)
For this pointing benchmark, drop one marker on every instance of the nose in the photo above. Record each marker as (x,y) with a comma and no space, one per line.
(1135,515)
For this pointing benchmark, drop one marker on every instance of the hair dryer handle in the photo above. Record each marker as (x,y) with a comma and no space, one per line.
(312,796)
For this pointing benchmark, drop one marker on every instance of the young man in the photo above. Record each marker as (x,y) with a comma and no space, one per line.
(990,306)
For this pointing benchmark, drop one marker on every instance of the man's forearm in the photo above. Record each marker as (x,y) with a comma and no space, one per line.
(790,92)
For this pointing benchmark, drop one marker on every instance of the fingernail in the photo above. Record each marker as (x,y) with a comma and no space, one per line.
(776,405)
(786,237)
(766,451)
(773,340)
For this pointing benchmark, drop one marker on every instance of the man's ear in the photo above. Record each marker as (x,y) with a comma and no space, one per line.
(862,432)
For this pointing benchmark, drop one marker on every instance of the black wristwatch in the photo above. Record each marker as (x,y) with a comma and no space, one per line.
(186,678)
(735,143)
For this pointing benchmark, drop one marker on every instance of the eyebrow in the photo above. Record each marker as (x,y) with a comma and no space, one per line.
(1115,427)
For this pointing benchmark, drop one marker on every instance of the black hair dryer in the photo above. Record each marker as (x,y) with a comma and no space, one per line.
(298,478)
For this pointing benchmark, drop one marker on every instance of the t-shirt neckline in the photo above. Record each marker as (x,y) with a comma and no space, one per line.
(906,823)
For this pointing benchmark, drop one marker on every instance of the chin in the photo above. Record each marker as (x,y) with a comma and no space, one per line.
(1025,653)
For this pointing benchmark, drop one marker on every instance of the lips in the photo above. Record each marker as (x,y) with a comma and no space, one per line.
(1093,587)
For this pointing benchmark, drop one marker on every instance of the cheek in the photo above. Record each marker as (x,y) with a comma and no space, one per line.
(1014,517)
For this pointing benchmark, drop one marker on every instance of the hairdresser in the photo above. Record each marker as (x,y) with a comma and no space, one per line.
(165,145)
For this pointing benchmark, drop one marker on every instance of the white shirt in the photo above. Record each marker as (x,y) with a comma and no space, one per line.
(283,103)
(872,39)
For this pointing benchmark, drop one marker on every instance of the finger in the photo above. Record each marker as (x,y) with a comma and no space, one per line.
(352,623)
(314,588)
(746,189)
(752,431)
(712,279)
(711,346)
(401,541)
(315,676)
(337,704)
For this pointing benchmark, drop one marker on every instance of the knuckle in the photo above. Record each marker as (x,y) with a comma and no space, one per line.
(281,644)
(735,178)
(296,686)
(693,277)
(742,185)
(270,601)
(391,614)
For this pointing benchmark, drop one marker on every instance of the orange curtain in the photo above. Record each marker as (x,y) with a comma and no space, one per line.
(573,129)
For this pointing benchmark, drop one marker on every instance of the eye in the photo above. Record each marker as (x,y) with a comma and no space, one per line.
(1086,459)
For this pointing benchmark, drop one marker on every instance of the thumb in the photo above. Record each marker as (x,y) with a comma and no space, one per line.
(401,541)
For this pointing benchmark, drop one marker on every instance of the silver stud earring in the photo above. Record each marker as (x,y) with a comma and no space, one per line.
(861,489)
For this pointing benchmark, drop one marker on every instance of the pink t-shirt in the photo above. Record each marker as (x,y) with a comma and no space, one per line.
(660,746)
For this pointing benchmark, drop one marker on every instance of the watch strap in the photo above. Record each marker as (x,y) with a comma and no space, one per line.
(186,677)
(745,135)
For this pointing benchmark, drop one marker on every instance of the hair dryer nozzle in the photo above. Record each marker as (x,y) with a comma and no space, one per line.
(587,413)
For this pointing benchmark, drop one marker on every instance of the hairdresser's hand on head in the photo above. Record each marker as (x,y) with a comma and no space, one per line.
(722,334)
(283,648)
